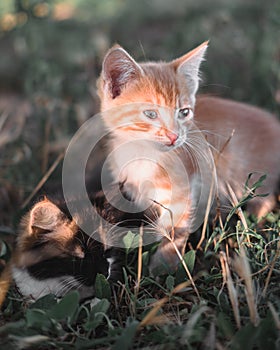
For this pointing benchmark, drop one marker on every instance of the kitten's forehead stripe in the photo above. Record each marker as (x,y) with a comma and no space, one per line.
(162,79)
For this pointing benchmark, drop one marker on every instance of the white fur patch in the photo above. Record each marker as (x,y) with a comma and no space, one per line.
(110,261)
(59,286)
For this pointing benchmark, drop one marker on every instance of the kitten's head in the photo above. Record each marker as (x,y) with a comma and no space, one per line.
(151,101)
(46,228)
(55,254)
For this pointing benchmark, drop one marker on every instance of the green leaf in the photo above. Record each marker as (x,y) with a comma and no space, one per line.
(44,303)
(181,274)
(97,314)
(125,340)
(102,287)
(189,259)
(66,307)
(248,194)
(244,338)
(170,282)
(83,343)
(102,306)
(224,325)
(145,263)
(267,335)
(131,240)
(38,319)
(145,258)
(255,185)
(13,327)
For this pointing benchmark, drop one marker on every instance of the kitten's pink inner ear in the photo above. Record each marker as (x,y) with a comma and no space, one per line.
(119,69)
(197,55)
(45,216)
(187,68)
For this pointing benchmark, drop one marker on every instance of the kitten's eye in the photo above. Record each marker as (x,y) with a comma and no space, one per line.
(151,114)
(184,113)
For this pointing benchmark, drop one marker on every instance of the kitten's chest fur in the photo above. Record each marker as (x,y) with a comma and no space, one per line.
(134,162)
(138,163)
(149,175)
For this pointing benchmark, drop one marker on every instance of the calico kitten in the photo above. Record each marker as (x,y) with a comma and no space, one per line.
(54,255)
(156,121)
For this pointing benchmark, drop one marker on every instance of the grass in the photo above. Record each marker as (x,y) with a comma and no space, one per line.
(232,302)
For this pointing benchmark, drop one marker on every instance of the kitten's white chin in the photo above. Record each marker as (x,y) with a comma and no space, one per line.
(164,147)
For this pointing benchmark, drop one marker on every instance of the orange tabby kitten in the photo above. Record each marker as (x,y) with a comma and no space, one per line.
(151,110)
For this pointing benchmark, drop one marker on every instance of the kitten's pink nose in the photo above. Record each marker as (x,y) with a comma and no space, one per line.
(172,137)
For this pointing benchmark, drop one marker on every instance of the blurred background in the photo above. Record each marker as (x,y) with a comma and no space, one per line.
(51,54)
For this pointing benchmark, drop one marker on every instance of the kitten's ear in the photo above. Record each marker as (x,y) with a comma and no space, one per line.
(187,68)
(119,68)
(45,217)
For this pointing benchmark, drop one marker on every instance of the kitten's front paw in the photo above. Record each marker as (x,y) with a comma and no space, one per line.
(163,262)
(167,258)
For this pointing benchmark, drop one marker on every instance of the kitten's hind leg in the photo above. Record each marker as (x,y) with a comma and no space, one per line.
(262,206)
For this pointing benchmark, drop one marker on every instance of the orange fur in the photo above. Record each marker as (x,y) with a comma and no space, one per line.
(243,139)
(44,216)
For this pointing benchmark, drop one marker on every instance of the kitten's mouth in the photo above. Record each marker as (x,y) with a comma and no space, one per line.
(176,145)
(169,142)
(166,145)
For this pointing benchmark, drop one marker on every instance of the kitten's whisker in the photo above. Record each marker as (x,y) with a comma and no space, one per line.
(91,235)
(205,131)
(63,290)
(71,283)
(195,152)
(80,241)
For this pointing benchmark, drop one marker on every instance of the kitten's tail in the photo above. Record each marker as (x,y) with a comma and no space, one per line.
(5,282)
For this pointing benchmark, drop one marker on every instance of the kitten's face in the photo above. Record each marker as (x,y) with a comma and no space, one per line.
(165,127)
(150,101)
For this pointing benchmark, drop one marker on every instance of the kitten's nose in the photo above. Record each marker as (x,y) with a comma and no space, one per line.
(172,137)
